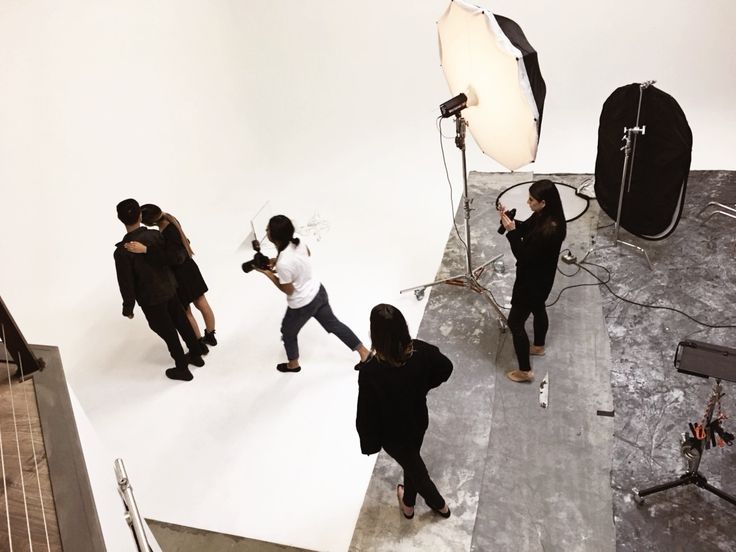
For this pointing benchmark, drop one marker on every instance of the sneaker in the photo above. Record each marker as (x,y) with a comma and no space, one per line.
(209,338)
(195,360)
(520,376)
(182,374)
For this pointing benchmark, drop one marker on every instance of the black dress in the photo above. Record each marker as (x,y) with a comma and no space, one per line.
(190,283)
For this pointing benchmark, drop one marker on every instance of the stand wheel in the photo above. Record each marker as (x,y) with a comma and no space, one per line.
(635,495)
(419,293)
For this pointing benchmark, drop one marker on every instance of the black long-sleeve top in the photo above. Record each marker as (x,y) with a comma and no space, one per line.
(392,400)
(143,278)
(536,250)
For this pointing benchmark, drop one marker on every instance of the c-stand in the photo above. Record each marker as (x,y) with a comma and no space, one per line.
(469,279)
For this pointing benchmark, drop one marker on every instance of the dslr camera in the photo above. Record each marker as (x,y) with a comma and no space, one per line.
(259,259)
(511,214)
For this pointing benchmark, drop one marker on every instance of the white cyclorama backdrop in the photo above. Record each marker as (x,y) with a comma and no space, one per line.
(325,109)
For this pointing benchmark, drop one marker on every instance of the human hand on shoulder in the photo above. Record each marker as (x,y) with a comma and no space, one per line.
(135,247)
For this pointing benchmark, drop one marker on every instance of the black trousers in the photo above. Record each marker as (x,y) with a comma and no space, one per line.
(416,476)
(169,320)
(320,309)
(517,318)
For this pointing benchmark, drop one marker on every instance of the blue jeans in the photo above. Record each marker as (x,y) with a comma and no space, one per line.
(320,309)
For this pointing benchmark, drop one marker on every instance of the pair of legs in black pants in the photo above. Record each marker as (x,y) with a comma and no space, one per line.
(517,318)
(416,476)
(320,309)
(169,320)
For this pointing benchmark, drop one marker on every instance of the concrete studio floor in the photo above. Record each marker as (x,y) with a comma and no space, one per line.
(521,477)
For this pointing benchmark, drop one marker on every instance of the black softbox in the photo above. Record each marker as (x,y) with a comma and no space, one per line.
(659,164)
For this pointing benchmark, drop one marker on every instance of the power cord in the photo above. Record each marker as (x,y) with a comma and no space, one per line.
(568,258)
(449,183)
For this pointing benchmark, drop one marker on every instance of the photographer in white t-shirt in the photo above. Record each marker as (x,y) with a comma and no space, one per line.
(306,297)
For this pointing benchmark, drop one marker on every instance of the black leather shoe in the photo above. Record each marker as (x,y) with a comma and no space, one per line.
(202,346)
(283,367)
(182,374)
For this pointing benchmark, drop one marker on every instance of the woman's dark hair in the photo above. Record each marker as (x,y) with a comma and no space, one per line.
(152,215)
(390,335)
(552,215)
(282,232)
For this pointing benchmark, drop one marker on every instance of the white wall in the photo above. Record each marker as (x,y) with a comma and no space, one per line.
(211,108)
(233,100)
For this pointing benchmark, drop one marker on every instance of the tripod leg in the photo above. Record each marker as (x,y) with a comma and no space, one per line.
(685,479)
(716,491)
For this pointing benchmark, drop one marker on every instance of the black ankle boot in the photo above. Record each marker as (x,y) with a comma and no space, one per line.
(182,374)
(209,338)
(203,350)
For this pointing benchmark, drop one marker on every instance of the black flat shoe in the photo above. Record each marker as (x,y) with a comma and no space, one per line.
(443,514)
(284,367)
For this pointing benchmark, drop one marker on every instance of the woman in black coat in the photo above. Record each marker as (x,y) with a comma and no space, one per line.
(536,244)
(392,403)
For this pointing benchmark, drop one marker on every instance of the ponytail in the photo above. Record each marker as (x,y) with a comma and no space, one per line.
(282,232)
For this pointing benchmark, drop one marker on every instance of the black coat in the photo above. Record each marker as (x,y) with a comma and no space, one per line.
(392,400)
(143,278)
(536,250)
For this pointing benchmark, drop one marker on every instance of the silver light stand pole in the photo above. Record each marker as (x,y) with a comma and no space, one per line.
(629,170)
(132,515)
(469,278)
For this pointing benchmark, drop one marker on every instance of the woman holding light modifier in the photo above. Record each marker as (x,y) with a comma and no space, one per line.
(536,244)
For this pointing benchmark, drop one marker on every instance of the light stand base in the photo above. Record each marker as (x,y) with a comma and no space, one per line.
(469,281)
(688,478)
(639,249)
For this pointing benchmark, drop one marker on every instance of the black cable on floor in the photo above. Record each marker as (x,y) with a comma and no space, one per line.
(602,282)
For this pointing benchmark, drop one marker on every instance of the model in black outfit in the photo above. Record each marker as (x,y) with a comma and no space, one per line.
(191,287)
(536,244)
(149,281)
(392,403)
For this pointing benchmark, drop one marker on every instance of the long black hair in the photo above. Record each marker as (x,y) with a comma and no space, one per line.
(551,216)
(152,215)
(281,230)
(390,335)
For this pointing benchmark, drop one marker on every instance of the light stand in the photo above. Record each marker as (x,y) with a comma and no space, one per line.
(692,449)
(469,279)
(628,171)
(704,360)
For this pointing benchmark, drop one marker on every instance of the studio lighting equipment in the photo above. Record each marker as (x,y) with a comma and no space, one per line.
(641,183)
(498,93)
(704,360)
(454,105)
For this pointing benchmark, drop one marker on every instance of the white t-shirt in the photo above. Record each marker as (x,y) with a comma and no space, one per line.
(293,267)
